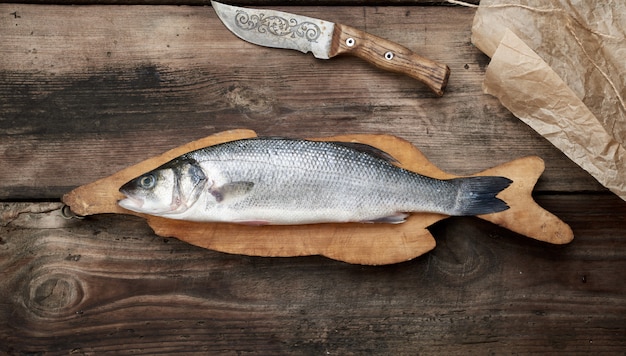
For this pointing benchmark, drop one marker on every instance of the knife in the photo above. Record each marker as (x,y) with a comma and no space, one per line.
(325,40)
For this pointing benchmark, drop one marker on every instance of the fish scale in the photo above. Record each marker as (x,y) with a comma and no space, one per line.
(323,163)
(291,181)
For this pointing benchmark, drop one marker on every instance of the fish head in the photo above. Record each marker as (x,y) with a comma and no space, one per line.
(170,189)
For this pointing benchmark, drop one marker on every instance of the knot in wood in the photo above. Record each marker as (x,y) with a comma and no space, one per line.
(51,294)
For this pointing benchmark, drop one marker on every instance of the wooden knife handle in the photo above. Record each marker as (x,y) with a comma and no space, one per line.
(389,56)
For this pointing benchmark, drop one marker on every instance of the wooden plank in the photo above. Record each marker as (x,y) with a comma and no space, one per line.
(87,91)
(250,3)
(107,284)
(370,244)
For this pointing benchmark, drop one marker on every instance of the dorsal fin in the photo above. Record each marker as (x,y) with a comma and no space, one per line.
(359,147)
(370,150)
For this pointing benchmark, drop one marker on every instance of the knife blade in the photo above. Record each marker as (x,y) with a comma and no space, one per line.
(326,39)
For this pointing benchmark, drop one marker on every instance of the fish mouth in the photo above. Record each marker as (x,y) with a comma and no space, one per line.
(131,203)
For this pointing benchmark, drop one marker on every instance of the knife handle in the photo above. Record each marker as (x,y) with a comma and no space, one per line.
(389,56)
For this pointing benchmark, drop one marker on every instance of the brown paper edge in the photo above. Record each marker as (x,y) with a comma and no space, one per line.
(517,76)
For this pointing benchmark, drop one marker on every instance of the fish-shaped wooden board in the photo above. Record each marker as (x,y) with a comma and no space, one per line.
(368,244)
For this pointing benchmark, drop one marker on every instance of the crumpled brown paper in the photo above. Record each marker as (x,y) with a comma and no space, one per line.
(560,67)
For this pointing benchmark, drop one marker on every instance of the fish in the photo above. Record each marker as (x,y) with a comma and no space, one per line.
(285,181)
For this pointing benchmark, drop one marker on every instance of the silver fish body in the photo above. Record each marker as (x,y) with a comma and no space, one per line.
(289,181)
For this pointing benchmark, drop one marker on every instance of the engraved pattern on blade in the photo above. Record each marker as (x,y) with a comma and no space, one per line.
(278,29)
(277,25)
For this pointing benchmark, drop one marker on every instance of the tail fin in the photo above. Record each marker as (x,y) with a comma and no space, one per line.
(477,195)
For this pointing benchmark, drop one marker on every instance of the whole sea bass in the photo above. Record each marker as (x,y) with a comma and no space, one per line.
(290,181)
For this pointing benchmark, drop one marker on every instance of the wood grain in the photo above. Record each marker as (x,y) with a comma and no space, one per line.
(87,91)
(389,56)
(107,284)
(242,2)
(371,244)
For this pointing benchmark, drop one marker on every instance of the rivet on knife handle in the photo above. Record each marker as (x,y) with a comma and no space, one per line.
(325,39)
(389,56)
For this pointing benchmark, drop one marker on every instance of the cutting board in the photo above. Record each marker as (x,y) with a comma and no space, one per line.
(368,244)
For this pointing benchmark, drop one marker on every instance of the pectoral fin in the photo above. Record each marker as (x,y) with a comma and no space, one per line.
(231,190)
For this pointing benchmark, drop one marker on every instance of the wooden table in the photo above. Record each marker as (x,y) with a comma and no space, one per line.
(88,90)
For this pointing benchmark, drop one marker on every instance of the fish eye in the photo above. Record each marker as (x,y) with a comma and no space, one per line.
(147,181)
